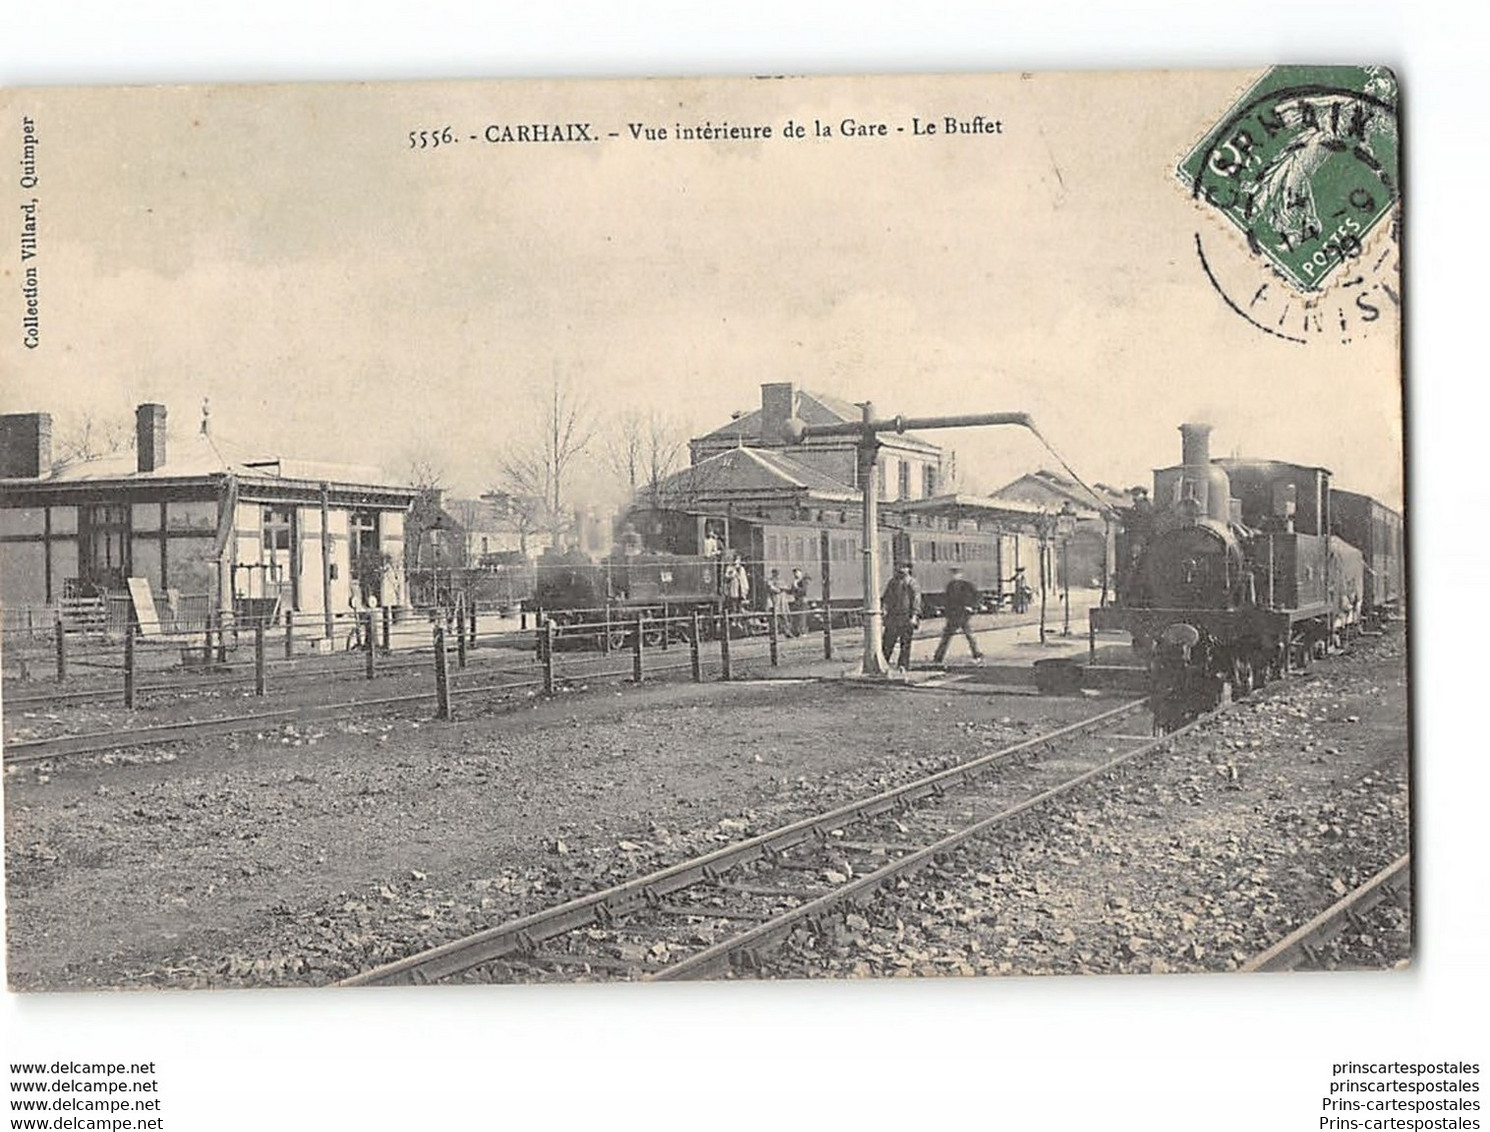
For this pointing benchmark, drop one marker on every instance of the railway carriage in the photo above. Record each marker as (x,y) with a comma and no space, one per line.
(827,546)
(1376,531)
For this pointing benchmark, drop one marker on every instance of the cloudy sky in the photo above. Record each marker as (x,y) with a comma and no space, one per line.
(340,295)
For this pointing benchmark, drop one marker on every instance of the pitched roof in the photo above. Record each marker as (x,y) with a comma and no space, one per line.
(751,472)
(197,456)
(1043,485)
(969,506)
(810,408)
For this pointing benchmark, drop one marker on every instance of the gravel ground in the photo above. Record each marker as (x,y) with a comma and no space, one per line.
(1193,860)
(304,854)
(301,855)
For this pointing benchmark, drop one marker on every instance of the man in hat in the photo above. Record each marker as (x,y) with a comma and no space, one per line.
(962,598)
(901,603)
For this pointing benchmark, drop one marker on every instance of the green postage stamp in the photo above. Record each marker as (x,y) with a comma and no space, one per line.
(1305,166)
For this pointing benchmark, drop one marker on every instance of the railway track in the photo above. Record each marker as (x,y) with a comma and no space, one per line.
(722,911)
(493,674)
(1301,947)
(24,751)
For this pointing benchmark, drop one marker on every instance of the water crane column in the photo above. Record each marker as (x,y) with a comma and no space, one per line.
(866,431)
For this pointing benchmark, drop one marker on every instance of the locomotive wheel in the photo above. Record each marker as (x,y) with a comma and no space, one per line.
(616,639)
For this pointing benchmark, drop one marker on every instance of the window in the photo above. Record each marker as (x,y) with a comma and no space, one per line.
(364,533)
(279,524)
(905,480)
(105,541)
(367,558)
(928,481)
(278,533)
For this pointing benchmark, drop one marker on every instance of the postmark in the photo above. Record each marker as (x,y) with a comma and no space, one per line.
(1300,182)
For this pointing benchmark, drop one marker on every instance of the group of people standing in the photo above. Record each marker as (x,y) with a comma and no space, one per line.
(786,601)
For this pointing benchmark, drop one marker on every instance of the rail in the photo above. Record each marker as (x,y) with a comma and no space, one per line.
(607,907)
(1301,945)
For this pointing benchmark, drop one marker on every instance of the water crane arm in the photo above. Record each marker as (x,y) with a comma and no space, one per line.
(798,430)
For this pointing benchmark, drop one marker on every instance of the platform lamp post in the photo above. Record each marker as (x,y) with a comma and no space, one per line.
(1044,525)
(1065,526)
(866,432)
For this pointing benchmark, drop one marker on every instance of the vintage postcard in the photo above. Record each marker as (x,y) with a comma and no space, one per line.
(571,531)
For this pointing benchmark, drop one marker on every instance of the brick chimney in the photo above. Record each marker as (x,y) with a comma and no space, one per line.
(25,445)
(778,401)
(150,437)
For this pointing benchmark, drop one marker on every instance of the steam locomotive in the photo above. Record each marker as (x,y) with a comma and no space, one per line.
(1239,571)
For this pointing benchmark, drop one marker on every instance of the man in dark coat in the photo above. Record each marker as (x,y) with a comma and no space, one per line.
(901,603)
(961,599)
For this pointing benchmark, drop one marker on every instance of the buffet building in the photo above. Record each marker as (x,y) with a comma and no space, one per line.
(271,533)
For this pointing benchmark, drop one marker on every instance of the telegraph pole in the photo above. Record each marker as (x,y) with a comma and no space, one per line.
(866,431)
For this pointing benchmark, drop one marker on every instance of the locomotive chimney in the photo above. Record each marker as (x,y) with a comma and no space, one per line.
(1195,443)
(1201,480)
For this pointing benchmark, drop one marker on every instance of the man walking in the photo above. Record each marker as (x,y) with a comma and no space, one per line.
(901,603)
(962,599)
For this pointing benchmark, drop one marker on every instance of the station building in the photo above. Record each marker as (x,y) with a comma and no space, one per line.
(1088,550)
(910,467)
(292,534)
(1051,528)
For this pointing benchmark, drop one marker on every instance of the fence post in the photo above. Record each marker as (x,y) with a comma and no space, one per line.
(129,666)
(472,605)
(207,639)
(289,634)
(664,626)
(636,650)
(693,657)
(605,632)
(724,646)
(460,637)
(827,632)
(222,639)
(442,675)
(61,649)
(775,639)
(546,653)
(372,643)
(259,657)
(387,629)
(1091,640)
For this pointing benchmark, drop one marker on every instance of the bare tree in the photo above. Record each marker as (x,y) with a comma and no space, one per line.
(665,445)
(86,437)
(425,475)
(561,429)
(625,445)
(468,513)
(524,515)
(644,448)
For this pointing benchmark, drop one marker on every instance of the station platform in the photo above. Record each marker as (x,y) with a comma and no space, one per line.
(1013,656)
